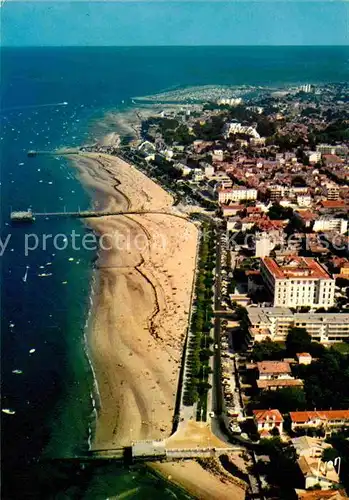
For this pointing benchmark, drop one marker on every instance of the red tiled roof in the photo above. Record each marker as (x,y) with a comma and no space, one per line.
(333,203)
(273,367)
(264,415)
(305,416)
(296,268)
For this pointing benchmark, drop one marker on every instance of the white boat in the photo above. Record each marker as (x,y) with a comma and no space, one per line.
(71,259)
(32,351)
(17,372)
(25,275)
(8,411)
(41,275)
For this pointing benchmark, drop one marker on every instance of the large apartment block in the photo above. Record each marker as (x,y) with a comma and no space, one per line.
(327,328)
(237,193)
(298,281)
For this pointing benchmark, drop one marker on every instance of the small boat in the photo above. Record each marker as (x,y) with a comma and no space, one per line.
(25,275)
(64,282)
(42,275)
(17,372)
(71,259)
(49,263)
(8,411)
(32,351)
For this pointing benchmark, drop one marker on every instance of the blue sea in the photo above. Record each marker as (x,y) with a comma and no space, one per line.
(44,319)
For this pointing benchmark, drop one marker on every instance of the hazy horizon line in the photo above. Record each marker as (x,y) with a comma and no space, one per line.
(167,46)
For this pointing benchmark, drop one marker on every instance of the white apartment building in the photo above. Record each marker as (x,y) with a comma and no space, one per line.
(275,322)
(332,191)
(330,224)
(217,155)
(237,128)
(237,193)
(314,156)
(234,101)
(328,149)
(264,245)
(304,200)
(208,170)
(298,281)
(277,191)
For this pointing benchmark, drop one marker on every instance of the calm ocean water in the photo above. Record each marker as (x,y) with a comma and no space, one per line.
(52,395)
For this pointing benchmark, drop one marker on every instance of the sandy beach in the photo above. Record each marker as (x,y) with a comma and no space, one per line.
(199,482)
(140,317)
(141,308)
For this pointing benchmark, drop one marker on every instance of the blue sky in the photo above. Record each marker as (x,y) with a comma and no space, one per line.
(282,22)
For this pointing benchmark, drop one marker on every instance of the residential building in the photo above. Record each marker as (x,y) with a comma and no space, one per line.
(326,328)
(237,193)
(234,101)
(267,420)
(264,245)
(183,168)
(298,281)
(326,419)
(330,224)
(208,170)
(310,447)
(279,383)
(314,156)
(304,358)
(269,370)
(321,495)
(231,210)
(304,200)
(217,155)
(318,473)
(332,191)
(274,375)
(237,128)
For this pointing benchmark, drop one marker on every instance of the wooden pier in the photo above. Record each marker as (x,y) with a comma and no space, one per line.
(57,152)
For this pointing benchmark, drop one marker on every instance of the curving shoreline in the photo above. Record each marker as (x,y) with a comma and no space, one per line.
(140,317)
(141,305)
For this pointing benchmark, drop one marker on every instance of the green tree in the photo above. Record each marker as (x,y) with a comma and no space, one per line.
(267,350)
(286,400)
(297,340)
(278,212)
